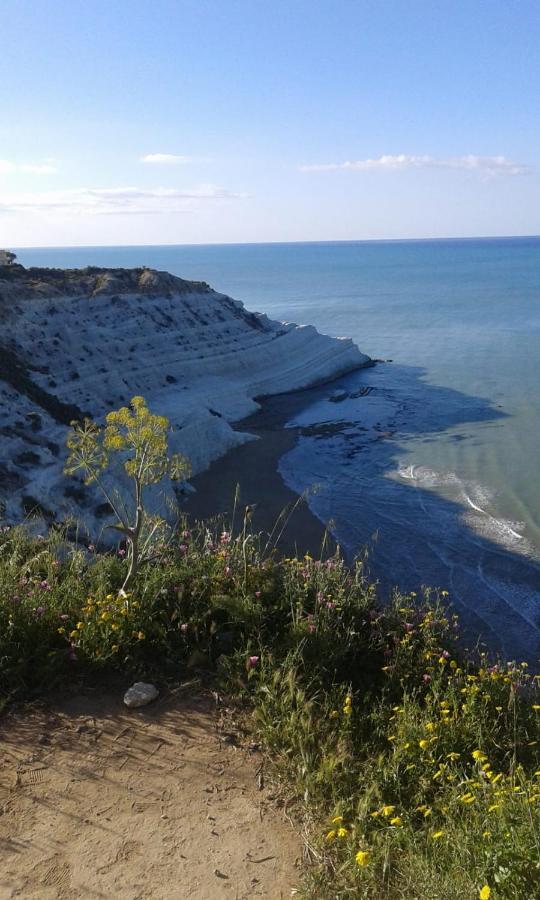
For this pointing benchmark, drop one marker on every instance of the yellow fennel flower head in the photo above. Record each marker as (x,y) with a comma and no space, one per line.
(342,832)
(397,821)
(363,857)
(331,835)
(388,810)
(423,744)
(485,892)
(437,835)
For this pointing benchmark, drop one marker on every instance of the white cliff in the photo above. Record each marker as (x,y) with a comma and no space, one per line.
(76,342)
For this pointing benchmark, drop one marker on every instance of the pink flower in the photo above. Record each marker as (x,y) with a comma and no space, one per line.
(330,605)
(225,537)
(426,678)
(91,548)
(38,612)
(409,627)
(121,552)
(44,585)
(312,628)
(257,594)
(183,548)
(446,654)
(252,662)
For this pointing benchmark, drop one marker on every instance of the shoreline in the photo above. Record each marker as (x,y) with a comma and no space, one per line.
(253,467)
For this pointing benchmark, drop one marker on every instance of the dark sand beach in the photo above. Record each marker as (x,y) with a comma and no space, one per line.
(253,467)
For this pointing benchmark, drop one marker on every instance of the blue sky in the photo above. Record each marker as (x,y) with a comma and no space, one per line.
(172,121)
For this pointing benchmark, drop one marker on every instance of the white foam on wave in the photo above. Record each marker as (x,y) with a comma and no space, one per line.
(502,531)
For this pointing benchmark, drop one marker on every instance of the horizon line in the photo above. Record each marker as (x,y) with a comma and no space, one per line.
(480,237)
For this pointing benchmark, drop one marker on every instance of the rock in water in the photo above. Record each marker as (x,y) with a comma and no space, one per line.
(139,694)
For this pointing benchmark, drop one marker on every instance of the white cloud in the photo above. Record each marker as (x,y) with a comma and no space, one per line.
(110,201)
(8,168)
(486,165)
(165,158)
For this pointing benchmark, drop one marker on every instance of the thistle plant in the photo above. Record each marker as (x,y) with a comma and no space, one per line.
(138,438)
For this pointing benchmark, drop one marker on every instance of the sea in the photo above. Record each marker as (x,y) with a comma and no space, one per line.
(433,467)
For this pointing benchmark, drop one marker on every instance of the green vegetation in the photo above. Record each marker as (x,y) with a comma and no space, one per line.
(412,771)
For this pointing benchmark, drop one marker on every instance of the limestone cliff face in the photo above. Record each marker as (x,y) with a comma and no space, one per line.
(76,342)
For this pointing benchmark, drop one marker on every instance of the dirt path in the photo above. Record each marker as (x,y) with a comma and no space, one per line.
(98,801)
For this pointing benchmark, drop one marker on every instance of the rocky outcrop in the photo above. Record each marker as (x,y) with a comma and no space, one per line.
(76,342)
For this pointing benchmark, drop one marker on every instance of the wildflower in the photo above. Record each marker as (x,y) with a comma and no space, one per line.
(252,662)
(388,810)
(61,630)
(105,615)
(342,832)
(331,835)
(38,612)
(80,625)
(337,820)
(74,634)
(334,714)
(479,756)
(114,648)
(436,835)
(493,807)
(257,594)
(141,635)
(485,892)
(362,857)
(64,617)
(423,744)
(121,553)
(453,755)
(397,821)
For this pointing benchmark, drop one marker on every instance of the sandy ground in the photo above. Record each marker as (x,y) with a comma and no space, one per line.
(253,467)
(98,801)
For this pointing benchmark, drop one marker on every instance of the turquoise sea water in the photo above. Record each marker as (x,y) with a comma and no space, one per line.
(439,459)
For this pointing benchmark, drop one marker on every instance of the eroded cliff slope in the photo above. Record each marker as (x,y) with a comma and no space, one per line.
(83,342)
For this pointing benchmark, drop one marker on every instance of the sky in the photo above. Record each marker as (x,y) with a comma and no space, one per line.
(202,121)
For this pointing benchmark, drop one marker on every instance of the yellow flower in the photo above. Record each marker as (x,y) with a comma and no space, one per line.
(388,810)
(494,807)
(478,755)
(362,857)
(397,820)
(331,835)
(114,626)
(342,832)
(485,892)
(337,820)
(141,635)
(114,648)
(423,744)
(536,705)
(61,630)
(468,798)
(105,615)
(80,625)
(453,755)
(347,710)
(334,714)
(436,835)
(73,634)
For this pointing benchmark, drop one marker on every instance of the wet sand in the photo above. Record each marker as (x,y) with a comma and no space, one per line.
(253,467)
